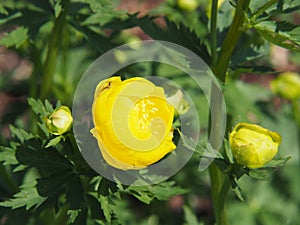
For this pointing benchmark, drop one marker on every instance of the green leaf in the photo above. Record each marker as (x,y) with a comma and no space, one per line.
(3,10)
(37,106)
(277,162)
(189,216)
(250,47)
(47,161)
(204,150)
(228,151)
(282,34)
(95,207)
(52,185)
(266,172)
(7,156)
(178,34)
(105,206)
(106,187)
(273,7)
(236,188)
(57,8)
(73,214)
(20,134)
(54,141)
(28,196)
(262,173)
(162,191)
(15,38)
(74,192)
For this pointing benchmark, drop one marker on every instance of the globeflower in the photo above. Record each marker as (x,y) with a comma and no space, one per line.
(60,121)
(133,122)
(253,146)
(187,5)
(287,85)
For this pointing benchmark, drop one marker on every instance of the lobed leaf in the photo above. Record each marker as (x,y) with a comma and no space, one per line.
(15,38)
(28,197)
(282,34)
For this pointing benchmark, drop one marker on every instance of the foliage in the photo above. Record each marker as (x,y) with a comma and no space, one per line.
(44,179)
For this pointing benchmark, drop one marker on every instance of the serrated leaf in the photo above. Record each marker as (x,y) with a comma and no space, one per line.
(48,106)
(73,214)
(15,38)
(95,207)
(7,156)
(106,187)
(54,141)
(282,34)
(37,106)
(74,192)
(28,197)
(277,162)
(52,185)
(162,191)
(105,206)
(47,161)
(178,34)
(20,134)
(204,150)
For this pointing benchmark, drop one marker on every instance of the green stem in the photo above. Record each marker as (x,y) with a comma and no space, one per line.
(235,31)
(222,216)
(213,31)
(220,184)
(53,47)
(296,112)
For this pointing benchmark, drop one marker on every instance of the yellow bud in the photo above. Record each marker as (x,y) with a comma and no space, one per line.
(60,121)
(187,5)
(253,146)
(133,122)
(287,85)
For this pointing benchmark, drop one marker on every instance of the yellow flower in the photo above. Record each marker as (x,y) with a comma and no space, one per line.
(287,85)
(252,145)
(60,121)
(133,122)
(187,5)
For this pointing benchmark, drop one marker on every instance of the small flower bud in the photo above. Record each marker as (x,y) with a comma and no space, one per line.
(253,146)
(287,85)
(187,5)
(60,121)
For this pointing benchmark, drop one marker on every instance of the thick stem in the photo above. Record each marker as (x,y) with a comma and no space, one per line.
(234,33)
(213,31)
(296,112)
(53,47)
(220,184)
